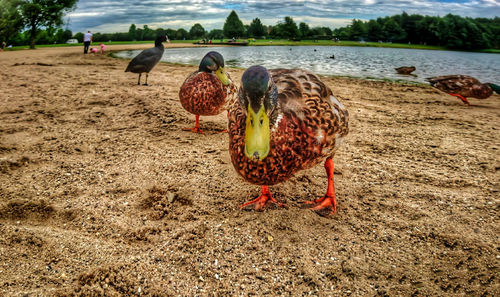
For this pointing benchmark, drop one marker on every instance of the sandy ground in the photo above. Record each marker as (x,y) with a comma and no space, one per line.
(103,194)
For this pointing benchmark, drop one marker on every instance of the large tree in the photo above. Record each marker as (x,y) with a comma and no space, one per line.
(215,34)
(43,13)
(462,33)
(304,30)
(139,34)
(171,33)
(428,31)
(233,27)
(10,19)
(409,24)
(181,34)
(197,31)
(374,31)
(78,36)
(63,35)
(148,33)
(289,28)
(131,31)
(394,32)
(357,30)
(256,28)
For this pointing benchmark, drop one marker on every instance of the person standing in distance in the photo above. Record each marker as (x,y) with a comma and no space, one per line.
(87,39)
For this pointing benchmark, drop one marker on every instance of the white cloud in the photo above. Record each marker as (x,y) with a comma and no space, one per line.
(116,16)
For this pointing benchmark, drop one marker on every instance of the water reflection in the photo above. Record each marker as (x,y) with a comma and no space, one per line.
(365,62)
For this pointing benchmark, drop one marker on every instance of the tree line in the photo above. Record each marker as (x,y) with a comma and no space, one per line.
(450,31)
(17,15)
(233,28)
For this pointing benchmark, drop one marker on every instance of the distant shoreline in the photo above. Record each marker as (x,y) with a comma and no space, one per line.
(272,42)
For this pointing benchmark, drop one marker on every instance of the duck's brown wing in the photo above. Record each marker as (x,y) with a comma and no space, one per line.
(304,96)
(453,83)
(467,86)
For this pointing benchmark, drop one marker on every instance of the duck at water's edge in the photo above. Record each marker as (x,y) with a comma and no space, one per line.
(463,86)
(406,70)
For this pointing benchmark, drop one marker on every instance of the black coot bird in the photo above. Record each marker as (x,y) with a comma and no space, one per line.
(147,59)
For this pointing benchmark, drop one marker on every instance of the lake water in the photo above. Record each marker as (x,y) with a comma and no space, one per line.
(364,62)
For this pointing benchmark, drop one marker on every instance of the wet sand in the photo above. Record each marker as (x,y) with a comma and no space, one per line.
(103,194)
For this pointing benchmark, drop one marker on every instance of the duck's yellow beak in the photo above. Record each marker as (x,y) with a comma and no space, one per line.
(222,75)
(257,134)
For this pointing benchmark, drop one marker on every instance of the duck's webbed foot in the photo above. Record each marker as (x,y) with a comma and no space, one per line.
(261,201)
(196,128)
(464,100)
(327,201)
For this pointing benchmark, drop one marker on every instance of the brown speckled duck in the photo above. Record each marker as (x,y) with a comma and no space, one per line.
(406,70)
(284,120)
(463,86)
(207,91)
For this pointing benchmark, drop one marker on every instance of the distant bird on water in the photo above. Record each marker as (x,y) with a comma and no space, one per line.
(208,90)
(284,121)
(405,69)
(147,59)
(463,86)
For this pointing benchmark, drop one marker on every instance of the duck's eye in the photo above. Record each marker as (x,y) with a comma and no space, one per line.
(251,122)
(261,121)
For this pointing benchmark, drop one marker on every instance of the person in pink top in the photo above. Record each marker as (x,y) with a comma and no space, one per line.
(103,47)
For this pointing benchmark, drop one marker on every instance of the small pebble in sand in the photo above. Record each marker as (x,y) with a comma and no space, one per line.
(170,197)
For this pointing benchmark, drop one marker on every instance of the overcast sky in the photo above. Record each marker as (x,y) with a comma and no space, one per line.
(108,16)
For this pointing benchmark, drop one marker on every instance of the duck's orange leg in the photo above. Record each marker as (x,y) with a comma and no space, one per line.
(464,100)
(196,128)
(329,199)
(261,201)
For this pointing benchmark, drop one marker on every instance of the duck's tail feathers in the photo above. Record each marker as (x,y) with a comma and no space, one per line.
(431,80)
